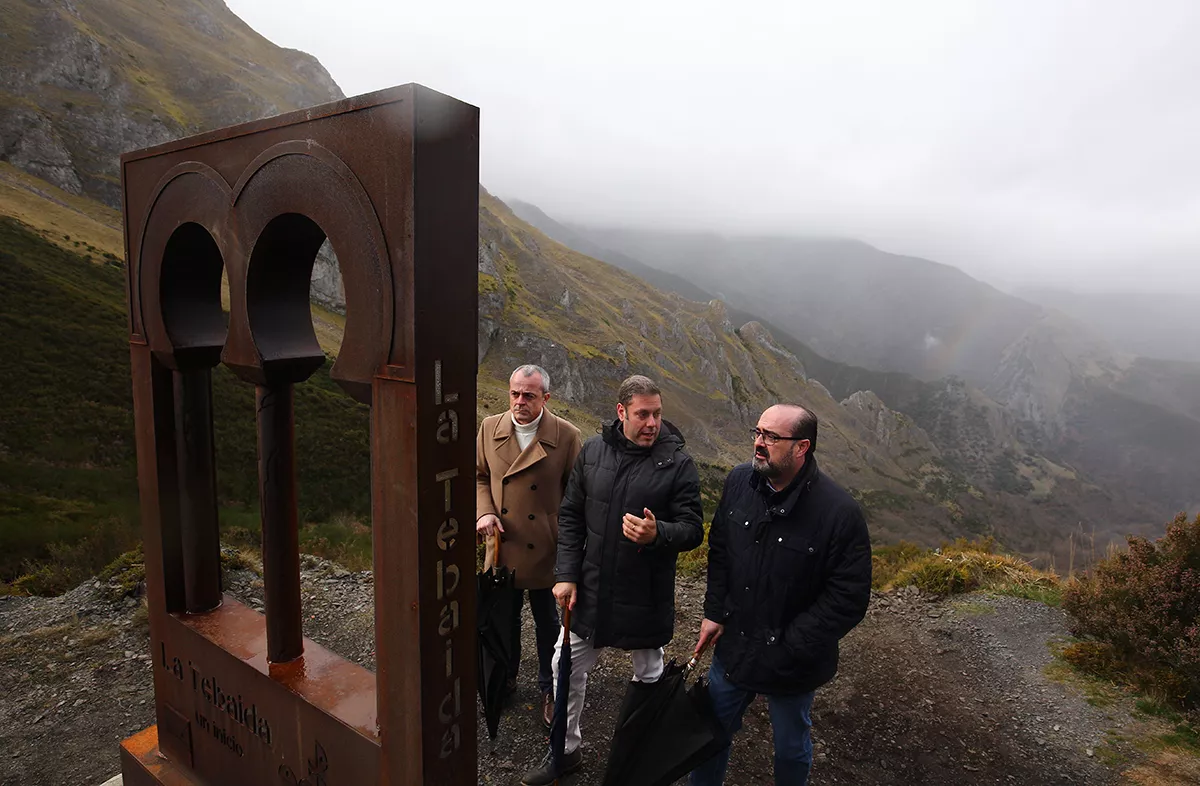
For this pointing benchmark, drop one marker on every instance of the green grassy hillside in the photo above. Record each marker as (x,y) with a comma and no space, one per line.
(68,489)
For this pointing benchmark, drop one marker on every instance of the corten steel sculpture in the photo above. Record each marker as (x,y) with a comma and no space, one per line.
(241,698)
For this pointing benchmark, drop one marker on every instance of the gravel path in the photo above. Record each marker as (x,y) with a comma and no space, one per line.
(929,692)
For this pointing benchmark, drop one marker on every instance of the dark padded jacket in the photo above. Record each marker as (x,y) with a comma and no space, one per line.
(789,574)
(626,592)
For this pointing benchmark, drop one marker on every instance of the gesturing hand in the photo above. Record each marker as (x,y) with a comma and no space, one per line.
(641,531)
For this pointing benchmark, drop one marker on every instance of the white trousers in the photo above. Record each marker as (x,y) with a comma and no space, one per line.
(647,667)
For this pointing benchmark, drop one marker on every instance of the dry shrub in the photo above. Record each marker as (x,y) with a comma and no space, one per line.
(964,566)
(888,561)
(1094,657)
(1144,604)
(938,575)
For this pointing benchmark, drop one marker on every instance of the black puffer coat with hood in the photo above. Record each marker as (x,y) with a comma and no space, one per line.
(626,592)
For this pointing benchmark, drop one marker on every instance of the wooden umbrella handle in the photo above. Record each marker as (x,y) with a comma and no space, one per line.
(566,626)
(496,551)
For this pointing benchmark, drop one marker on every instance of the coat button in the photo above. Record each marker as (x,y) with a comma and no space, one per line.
(533,487)
(747,525)
(531,517)
(771,640)
(781,540)
(531,547)
(503,511)
(810,549)
(504,482)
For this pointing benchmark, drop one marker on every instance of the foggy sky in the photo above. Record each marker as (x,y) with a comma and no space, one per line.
(1024,142)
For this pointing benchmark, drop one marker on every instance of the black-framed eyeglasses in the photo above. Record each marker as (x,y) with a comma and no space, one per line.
(771,438)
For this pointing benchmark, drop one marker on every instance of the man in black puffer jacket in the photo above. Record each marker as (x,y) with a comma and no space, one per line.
(632,504)
(789,574)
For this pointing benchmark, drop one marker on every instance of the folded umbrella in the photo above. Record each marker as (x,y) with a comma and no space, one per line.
(497,612)
(562,693)
(665,730)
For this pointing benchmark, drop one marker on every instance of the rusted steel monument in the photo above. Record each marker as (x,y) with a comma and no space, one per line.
(391,178)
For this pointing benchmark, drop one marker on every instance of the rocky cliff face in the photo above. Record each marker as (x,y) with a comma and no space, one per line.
(1037,370)
(326,288)
(82,83)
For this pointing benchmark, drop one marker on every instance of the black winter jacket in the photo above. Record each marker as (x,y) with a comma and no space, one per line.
(789,574)
(626,592)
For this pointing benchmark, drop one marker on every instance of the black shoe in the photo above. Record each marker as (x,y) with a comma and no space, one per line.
(543,774)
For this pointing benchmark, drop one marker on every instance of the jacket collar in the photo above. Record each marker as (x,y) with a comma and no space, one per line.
(786,499)
(547,432)
(670,440)
(509,449)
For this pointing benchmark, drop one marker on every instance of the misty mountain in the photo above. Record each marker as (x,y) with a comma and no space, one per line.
(535,217)
(846,299)
(590,323)
(82,70)
(1068,391)
(841,379)
(1154,325)
(991,445)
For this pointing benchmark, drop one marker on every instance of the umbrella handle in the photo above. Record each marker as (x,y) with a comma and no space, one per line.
(496,551)
(566,626)
(691,664)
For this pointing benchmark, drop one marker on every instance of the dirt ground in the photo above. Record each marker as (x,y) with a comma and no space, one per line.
(930,691)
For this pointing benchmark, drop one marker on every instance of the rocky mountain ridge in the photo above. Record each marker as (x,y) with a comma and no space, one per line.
(83,82)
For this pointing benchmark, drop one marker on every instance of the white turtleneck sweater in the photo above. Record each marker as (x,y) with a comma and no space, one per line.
(526,433)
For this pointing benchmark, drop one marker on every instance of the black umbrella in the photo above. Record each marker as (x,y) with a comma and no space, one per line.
(496,615)
(562,692)
(665,730)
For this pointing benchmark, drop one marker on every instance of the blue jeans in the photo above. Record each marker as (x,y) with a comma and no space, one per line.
(790,722)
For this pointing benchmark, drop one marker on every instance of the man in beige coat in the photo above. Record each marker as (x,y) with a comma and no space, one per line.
(523,459)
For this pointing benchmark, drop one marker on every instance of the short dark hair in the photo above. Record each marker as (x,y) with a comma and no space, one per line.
(637,385)
(805,426)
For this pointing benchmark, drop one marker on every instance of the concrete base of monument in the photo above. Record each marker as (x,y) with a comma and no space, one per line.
(143,765)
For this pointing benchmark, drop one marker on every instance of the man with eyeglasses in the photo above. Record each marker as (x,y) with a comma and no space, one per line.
(523,459)
(789,574)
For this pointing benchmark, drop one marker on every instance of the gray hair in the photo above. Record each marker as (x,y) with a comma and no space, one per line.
(528,370)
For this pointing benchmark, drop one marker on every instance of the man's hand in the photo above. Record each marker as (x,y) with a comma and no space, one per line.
(709,633)
(488,525)
(564,593)
(640,531)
